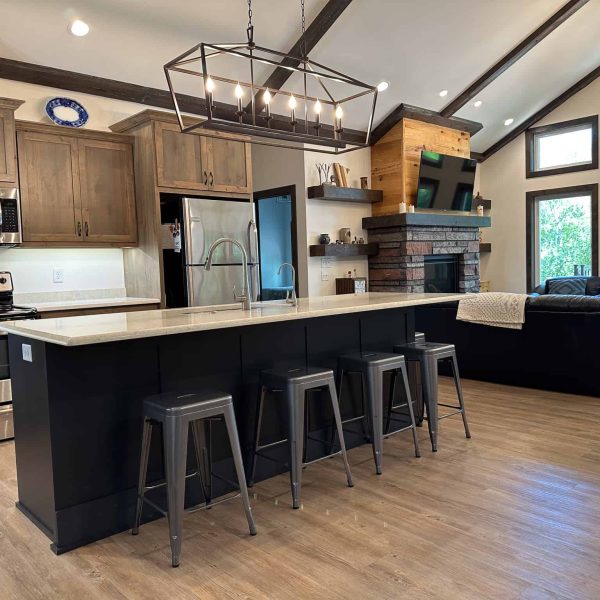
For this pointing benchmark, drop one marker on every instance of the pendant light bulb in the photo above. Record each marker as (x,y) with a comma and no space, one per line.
(210,85)
(292,102)
(267,97)
(239,92)
(339,113)
(318,107)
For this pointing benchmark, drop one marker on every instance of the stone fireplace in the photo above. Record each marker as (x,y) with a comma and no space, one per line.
(409,247)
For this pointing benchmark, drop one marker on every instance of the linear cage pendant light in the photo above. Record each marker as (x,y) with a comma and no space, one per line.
(314,100)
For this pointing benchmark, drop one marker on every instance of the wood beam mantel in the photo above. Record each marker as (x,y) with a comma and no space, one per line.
(532,40)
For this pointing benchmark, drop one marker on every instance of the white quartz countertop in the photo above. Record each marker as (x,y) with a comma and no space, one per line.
(89,303)
(93,329)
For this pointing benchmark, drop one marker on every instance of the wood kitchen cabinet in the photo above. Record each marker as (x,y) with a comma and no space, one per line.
(193,161)
(8,148)
(76,189)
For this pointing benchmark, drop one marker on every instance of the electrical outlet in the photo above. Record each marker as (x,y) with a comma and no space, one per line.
(58,275)
(27,355)
(324,275)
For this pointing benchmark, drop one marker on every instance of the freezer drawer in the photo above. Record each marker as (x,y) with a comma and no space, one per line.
(205,288)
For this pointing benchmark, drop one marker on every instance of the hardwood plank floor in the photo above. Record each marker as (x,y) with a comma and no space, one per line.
(512,513)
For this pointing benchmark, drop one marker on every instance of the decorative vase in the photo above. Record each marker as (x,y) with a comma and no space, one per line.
(324,238)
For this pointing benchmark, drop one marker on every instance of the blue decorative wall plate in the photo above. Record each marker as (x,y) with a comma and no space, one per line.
(80,115)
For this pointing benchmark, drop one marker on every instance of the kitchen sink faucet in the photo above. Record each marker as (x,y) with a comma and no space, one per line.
(244,297)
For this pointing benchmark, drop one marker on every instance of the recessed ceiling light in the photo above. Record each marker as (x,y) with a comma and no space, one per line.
(443,93)
(381,87)
(79,28)
(509,122)
(477,103)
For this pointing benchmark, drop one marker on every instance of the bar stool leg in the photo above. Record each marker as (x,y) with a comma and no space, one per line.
(295,399)
(202,447)
(146,438)
(338,422)
(391,403)
(239,465)
(259,413)
(459,393)
(429,380)
(411,412)
(374,383)
(175,432)
(340,383)
(414,378)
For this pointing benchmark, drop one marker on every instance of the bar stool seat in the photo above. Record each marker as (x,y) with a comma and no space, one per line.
(293,385)
(372,366)
(177,414)
(428,354)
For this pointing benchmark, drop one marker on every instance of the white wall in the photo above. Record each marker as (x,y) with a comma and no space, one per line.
(502,179)
(84,269)
(330,217)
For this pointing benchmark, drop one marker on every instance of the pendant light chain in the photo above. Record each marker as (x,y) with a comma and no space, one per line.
(250,28)
(303,31)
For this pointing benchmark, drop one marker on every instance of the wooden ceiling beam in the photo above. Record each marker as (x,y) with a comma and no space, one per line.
(532,40)
(313,34)
(540,114)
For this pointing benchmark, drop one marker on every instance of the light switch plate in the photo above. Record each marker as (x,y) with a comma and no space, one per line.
(27,354)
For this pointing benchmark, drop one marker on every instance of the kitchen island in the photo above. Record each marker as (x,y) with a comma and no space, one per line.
(79,384)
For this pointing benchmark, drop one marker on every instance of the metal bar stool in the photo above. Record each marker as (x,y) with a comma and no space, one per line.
(428,354)
(176,413)
(414,379)
(372,366)
(293,385)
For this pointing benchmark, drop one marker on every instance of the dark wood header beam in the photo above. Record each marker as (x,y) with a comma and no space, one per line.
(540,114)
(513,56)
(421,114)
(314,32)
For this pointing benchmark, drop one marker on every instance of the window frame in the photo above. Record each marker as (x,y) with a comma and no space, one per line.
(534,132)
(532,200)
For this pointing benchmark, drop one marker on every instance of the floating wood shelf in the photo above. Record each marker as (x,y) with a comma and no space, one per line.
(343,250)
(485,247)
(487,204)
(344,194)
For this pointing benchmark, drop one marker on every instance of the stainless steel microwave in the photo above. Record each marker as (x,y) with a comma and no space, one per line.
(10,217)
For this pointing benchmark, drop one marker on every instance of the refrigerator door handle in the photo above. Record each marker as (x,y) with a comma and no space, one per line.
(253,253)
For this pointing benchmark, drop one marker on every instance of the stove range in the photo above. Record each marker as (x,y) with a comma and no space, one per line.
(8,312)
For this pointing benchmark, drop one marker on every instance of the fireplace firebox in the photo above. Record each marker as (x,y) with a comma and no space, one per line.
(441,273)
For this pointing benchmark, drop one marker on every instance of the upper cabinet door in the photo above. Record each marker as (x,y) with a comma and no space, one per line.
(8,151)
(107,191)
(50,195)
(181,158)
(230,167)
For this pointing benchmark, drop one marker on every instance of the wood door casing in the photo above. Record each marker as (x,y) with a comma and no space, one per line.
(229,166)
(181,158)
(50,194)
(8,159)
(107,191)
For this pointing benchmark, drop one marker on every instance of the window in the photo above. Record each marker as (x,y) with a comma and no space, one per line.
(562,147)
(562,233)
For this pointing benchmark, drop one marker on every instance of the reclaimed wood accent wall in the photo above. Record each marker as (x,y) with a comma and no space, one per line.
(396,158)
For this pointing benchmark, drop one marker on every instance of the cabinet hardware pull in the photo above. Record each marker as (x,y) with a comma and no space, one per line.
(79,228)
(212,179)
(205,178)
(87,229)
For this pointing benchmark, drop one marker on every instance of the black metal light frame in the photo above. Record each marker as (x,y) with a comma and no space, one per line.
(285,132)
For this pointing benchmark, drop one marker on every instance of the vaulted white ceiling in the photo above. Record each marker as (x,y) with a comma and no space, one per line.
(419,47)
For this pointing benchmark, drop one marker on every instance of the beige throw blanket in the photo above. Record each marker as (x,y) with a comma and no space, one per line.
(496,309)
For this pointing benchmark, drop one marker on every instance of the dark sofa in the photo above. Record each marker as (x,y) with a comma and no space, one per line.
(557,349)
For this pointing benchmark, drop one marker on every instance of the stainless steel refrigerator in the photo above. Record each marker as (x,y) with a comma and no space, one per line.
(204,221)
